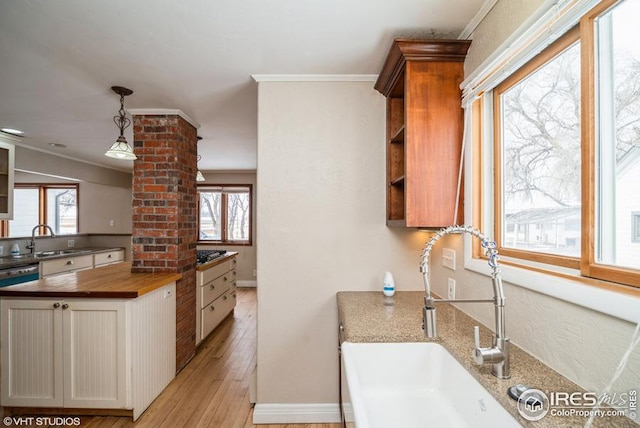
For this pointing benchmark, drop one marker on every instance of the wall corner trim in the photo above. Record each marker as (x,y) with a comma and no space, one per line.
(290,413)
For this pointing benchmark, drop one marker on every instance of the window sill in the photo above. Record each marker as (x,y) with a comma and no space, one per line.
(565,284)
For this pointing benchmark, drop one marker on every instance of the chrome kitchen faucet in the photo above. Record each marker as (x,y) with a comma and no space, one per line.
(32,245)
(498,354)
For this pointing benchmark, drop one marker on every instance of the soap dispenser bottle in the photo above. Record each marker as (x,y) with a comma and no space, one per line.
(388,286)
(15,250)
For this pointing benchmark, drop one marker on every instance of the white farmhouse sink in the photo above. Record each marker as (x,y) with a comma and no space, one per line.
(416,385)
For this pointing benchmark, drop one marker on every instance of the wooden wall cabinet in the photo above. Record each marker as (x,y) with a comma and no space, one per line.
(7,159)
(421,81)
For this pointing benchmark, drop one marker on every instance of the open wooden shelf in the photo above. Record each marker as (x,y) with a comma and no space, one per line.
(421,80)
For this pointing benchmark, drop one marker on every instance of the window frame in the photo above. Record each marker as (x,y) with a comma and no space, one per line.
(589,266)
(42,205)
(484,114)
(223,215)
(548,54)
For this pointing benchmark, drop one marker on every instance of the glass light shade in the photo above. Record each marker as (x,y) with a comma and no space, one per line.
(121,150)
(199,176)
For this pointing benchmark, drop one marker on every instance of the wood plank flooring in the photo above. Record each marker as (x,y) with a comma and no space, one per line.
(213,389)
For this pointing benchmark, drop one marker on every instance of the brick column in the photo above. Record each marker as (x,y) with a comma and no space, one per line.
(165,213)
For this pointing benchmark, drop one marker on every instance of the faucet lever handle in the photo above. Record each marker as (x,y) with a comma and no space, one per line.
(478,352)
(476,336)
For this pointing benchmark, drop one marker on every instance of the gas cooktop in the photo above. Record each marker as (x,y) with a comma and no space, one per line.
(204,256)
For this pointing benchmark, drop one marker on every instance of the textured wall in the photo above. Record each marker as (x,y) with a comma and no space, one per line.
(321,216)
(505,17)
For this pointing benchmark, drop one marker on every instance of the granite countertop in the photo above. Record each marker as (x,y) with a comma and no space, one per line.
(29,259)
(364,317)
(112,282)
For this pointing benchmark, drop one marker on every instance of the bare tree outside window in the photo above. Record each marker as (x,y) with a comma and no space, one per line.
(210,215)
(541,158)
(225,213)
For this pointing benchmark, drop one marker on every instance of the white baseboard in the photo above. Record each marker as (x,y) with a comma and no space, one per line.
(246,284)
(266,413)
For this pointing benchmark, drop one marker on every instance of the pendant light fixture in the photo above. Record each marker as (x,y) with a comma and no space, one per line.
(199,176)
(121,149)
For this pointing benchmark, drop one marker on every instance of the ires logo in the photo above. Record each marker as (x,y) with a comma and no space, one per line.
(573,399)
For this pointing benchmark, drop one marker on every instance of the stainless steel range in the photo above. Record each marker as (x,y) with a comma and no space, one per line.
(204,256)
(20,274)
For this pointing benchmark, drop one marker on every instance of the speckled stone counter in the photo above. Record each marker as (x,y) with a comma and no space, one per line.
(364,317)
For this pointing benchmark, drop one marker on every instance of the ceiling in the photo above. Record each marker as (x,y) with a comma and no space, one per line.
(61,57)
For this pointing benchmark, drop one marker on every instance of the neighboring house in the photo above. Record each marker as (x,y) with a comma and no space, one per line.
(541,229)
(559,228)
(627,246)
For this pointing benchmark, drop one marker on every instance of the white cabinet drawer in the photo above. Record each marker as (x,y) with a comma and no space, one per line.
(210,274)
(109,257)
(215,288)
(67,264)
(215,312)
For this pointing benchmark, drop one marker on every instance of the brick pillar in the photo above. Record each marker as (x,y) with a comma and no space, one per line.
(165,213)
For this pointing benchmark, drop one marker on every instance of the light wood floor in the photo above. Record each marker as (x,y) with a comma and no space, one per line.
(213,389)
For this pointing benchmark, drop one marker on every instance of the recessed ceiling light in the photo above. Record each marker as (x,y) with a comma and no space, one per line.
(12,131)
(62,146)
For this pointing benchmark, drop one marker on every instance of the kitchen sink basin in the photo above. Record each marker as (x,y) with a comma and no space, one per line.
(52,253)
(416,385)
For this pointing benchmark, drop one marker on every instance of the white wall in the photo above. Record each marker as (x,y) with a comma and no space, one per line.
(321,219)
(104,209)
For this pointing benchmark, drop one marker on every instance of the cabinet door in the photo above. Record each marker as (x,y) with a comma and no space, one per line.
(95,355)
(31,353)
(7,156)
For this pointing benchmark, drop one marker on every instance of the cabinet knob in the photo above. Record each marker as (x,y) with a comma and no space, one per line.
(109,256)
(225,297)
(211,287)
(225,278)
(70,262)
(65,306)
(211,308)
(56,305)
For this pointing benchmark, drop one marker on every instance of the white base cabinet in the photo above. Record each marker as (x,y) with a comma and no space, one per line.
(87,353)
(215,296)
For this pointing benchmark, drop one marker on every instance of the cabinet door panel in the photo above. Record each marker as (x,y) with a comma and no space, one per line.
(31,353)
(95,366)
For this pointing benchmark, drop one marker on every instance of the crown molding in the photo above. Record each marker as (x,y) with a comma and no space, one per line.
(314,77)
(163,112)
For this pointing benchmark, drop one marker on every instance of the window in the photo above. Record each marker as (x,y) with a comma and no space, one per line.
(566,150)
(616,140)
(537,136)
(52,204)
(225,214)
